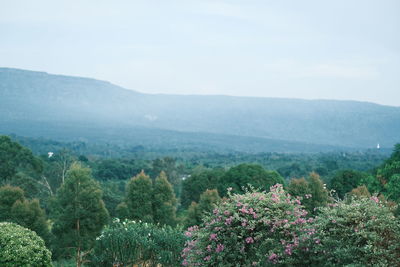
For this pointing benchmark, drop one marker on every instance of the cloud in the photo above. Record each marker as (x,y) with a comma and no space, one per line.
(344,70)
(341,71)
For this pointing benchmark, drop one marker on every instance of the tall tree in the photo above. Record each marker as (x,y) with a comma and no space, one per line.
(244,175)
(208,200)
(169,166)
(27,213)
(344,181)
(194,185)
(15,158)
(81,213)
(319,194)
(139,198)
(164,201)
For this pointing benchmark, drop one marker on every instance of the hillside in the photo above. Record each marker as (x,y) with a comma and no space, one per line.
(41,104)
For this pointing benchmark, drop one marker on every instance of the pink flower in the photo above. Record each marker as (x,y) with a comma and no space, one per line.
(219,248)
(229,220)
(207,258)
(273,257)
(249,240)
(375,199)
(288,250)
(188,234)
(244,210)
(213,237)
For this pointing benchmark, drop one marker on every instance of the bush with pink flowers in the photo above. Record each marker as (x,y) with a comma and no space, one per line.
(253,229)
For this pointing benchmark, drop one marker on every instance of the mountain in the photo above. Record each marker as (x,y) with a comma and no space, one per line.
(42,104)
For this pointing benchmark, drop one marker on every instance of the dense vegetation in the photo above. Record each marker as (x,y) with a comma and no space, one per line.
(91,209)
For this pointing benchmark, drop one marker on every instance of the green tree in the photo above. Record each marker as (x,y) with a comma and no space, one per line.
(22,247)
(344,181)
(8,196)
(27,213)
(193,216)
(208,200)
(122,211)
(312,191)
(360,192)
(139,198)
(393,188)
(244,175)
(15,158)
(164,201)
(81,213)
(319,194)
(388,175)
(197,183)
(169,166)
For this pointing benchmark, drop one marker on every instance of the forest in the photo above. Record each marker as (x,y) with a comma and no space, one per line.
(75,204)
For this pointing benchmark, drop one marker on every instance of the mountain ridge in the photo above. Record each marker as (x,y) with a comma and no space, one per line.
(42,97)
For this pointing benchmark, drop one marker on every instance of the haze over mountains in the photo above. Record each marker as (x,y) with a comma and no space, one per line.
(61,107)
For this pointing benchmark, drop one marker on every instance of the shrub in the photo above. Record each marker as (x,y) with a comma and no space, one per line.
(253,229)
(22,247)
(361,231)
(129,242)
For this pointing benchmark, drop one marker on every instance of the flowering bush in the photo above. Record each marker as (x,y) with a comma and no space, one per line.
(253,229)
(359,231)
(22,247)
(127,243)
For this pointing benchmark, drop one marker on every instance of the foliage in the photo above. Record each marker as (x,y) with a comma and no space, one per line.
(169,166)
(164,201)
(81,212)
(122,210)
(130,243)
(139,198)
(8,196)
(393,188)
(244,175)
(194,185)
(360,191)
(27,213)
(361,232)
(22,247)
(345,180)
(207,203)
(253,229)
(319,194)
(115,169)
(113,195)
(15,158)
(311,190)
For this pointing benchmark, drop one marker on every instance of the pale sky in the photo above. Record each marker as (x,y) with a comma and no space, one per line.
(341,49)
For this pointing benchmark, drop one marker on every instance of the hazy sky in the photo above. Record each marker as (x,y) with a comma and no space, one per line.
(341,49)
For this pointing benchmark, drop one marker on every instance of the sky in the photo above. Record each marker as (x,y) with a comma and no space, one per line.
(342,49)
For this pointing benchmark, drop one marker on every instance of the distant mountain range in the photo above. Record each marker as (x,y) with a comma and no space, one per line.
(63,107)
